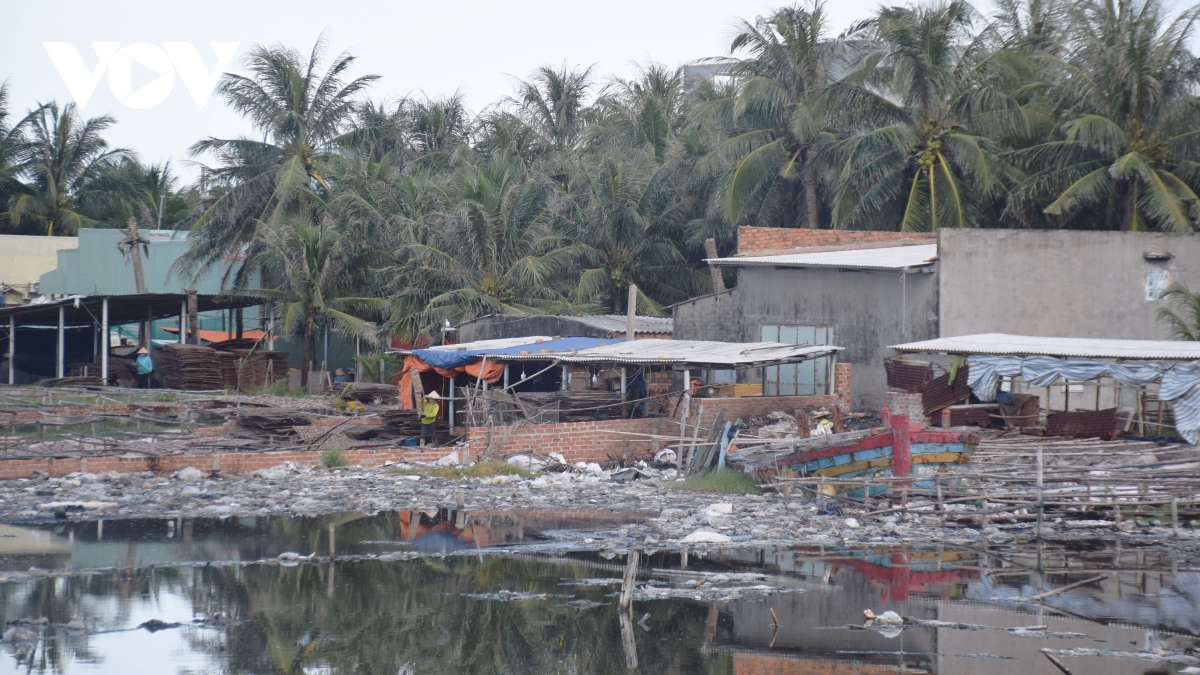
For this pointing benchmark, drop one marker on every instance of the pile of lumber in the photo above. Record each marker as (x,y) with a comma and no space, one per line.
(79,381)
(261,368)
(229,363)
(578,406)
(367,392)
(272,421)
(190,368)
(121,371)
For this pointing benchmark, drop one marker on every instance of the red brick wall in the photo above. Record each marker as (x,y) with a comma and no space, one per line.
(904,403)
(577,441)
(751,407)
(841,383)
(766,239)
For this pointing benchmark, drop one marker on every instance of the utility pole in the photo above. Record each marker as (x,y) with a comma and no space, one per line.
(129,247)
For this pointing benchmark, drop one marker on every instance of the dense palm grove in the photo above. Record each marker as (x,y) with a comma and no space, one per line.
(405,213)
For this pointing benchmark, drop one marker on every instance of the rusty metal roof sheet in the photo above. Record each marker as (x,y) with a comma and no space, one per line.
(891,258)
(1027,345)
(907,375)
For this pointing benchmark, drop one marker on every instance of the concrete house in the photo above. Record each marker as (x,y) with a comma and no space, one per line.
(865,291)
(858,290)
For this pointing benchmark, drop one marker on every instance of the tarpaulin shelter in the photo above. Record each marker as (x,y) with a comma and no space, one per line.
(484,359)
(1043,361)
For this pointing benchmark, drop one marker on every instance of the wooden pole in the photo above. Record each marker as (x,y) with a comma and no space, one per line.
(1174,516)
(193,313)
(332,542)
(60,354)
(104,337)
(631,314)
(12,348)
(627,581)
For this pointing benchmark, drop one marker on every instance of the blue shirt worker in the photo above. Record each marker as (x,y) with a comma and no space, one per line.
(145,366)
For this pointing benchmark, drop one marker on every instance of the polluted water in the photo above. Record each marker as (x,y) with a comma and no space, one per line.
(527,591)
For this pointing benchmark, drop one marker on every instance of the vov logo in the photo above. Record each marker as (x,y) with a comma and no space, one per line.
(167,61)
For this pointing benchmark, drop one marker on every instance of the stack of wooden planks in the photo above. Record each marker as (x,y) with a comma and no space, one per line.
(272,421)
(190,368)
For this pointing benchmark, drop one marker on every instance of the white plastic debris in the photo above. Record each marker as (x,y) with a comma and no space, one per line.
(527,462)
(890,618)
(449,460)
(593,467)
(719,509)
(706,537)
(558,457)
(190,474)
(851,523)
(665,455)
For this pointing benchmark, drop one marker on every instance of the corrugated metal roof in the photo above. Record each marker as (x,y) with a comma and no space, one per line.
(484,345)
(613,323)
(1027,345)
(699,353)
(649,351)
(616,323)
(891,258)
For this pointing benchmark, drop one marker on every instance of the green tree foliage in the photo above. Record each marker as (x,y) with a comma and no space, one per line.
(408,212)
(1182,318)
(62,158)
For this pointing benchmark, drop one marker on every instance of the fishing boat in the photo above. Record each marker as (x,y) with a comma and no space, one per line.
(898,449)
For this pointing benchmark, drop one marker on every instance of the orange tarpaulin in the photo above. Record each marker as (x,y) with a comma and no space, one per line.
(220,335)
(492,373)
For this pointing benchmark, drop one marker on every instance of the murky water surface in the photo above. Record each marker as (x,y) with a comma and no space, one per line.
(534,592)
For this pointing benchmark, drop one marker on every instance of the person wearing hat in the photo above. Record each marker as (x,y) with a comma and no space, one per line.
(341,376)
(429,414)
(145,366)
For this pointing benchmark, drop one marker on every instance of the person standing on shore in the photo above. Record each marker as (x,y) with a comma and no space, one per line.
(429,414)
(145,366)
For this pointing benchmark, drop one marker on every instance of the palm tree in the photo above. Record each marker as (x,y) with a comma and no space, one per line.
(626,210)
(1129,145)
(10,146)
(552,102)
(776,125)
(300,115)
(645,112)
(922,88)
(495,251)
(140,191)
(316,271)
(1183,317)
(62,157)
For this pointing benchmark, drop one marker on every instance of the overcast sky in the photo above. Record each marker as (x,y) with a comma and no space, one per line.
(431,47)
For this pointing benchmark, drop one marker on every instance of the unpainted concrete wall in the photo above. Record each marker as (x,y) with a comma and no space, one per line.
(24,259)
(1058,283)
(709,317)
(869,311)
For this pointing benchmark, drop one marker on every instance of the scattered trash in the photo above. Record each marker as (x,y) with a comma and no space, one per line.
(706,537)
(190,474)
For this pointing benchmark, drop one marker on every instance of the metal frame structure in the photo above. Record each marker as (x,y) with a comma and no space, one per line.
(104,312)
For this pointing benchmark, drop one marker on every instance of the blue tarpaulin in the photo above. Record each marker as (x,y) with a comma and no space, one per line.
(456,358)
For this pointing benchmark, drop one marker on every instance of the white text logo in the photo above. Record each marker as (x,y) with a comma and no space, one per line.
(167,61)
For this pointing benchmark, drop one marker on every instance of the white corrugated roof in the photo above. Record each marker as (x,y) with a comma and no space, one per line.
(616,323)
(700,353)
(890,258)
(1002,343)
(501,343)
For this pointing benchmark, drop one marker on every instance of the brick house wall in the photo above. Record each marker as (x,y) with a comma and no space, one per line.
(773,239)
(905,403)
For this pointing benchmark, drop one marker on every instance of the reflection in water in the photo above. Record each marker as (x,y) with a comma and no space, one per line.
(246,615)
